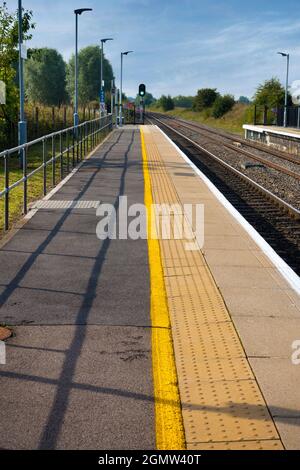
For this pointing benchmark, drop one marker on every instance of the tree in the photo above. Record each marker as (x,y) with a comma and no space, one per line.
(89,75)
(45,77)
(244,100)
(184,101)
(166,103)
(222,105)
(148,99)
(8,61)
(205,98)
(271,93)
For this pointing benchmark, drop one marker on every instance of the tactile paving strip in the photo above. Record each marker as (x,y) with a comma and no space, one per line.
(236,445)
(222,405)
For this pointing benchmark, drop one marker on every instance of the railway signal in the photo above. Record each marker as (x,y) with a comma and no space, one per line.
(142,89)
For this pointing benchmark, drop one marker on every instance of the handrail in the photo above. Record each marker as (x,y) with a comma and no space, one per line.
(79,140)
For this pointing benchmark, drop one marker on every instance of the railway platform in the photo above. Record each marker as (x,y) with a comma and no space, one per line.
(167,342)
(286,139)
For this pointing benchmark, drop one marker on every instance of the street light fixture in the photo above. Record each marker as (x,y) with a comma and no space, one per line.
(102,98)
(121,87)
(77,12)
(284,54)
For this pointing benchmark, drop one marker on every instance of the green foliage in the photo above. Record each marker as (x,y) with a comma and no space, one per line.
(183,101)
(222,105)
(8,60)
(243,100)
(166,103)
(45,77)
(89,75)
(205,98)
(148,99)
(270,93)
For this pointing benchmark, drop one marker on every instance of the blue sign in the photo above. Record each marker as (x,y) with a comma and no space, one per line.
(102,96)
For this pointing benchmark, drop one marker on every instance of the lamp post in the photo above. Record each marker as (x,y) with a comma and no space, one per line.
(22,128)
(112,95)
(121,87)
(77,13)
(102,86)
(284,54)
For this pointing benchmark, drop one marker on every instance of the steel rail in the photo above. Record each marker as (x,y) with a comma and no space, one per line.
(257,146)
(280,202)
(268,163)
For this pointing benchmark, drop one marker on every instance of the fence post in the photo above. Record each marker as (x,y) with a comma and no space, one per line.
(53,118)
(6,202)
(25,180)
(44,168)
(265,115)
(65,116)
(255,114)
(73,152)
(53,161)
(36,121)
(61,157)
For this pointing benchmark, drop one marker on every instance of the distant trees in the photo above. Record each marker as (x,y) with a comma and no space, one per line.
(166,103)
(205,98)
(222,105)
(148,99)
(89,75)
(244,100)
(45,77)
(183,101)
(270,93)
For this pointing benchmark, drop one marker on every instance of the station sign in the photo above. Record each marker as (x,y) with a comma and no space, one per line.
(102,96)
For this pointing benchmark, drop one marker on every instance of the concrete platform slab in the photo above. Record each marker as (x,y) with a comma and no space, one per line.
(67,387)
(258,341)
(80,376)
(279,380)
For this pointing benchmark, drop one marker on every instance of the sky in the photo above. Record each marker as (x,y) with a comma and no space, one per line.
(179,45)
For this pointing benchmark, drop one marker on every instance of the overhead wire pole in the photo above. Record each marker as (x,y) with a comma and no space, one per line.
(121,89)
(22,131)
(77,13)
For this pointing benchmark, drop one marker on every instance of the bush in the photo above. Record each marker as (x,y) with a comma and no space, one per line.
(166,103)
(205,98)
(222,105)
(184,101)
(271,93)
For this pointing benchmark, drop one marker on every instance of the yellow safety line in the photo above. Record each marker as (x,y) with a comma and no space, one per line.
(169,428)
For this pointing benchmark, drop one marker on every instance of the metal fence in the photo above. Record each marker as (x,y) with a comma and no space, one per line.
(41,120)
(134,115)
(51,156)
(263,115)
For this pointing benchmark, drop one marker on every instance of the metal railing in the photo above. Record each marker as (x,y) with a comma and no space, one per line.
(264,115)
(67,148)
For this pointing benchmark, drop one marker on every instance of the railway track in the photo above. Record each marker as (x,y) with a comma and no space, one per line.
(234,138)
(220,137)
(277,221)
